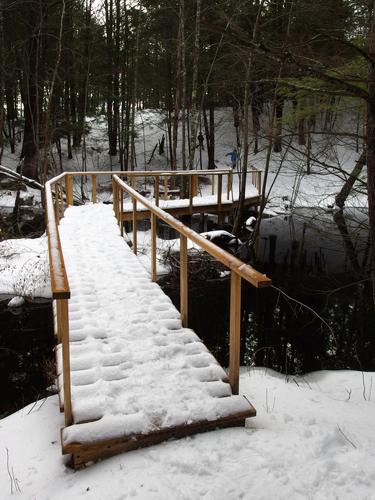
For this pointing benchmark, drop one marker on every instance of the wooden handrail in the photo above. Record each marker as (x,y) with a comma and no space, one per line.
(59,279)
(238,269)
(246,272)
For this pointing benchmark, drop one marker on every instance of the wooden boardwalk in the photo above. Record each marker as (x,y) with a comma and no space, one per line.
(130,372)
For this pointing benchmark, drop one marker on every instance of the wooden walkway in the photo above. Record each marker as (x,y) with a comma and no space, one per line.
(130,372)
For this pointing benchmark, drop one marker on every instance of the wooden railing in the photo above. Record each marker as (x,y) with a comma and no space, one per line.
(60,195)
(59,280)
(239,270)
(164,184)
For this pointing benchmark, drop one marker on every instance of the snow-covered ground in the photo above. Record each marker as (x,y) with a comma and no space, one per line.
(313,438)
(24,269)
(332,156)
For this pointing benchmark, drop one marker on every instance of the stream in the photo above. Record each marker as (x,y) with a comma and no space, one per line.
(317,260)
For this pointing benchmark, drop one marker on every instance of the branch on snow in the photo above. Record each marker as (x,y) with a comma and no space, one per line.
(14,175)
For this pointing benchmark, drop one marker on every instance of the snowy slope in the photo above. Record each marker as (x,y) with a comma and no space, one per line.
(313,439)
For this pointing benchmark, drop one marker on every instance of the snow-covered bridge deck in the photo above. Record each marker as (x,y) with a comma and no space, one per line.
(129,373)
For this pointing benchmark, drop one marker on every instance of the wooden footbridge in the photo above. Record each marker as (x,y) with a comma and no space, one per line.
(130,373)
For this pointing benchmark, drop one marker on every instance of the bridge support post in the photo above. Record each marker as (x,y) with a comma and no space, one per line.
(154,222)
(93,181)
(234,331)
(156,190)
(69,189)
(135,226)
(219,189)
(184,293)
(63,325)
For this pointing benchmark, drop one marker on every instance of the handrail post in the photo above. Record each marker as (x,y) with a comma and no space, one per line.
(195,185)
(234,331)
(93,181)
(63,321)
(56,203)
(69,189)
(190,194)
(184,294)
(229,184)
(61,200)
(219,189)
(156,189)
(121,211)
(259,181)
(135,226)
(113,195)
(213,184)
(154,222)
(165,187)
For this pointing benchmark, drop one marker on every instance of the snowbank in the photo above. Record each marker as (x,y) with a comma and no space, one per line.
(313,438)
(24,269)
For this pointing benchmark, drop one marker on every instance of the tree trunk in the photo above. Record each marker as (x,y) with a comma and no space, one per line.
(2,82)
(209,127)
(370,142)
(32,103)
(277,145)
(194,86)
(345,190)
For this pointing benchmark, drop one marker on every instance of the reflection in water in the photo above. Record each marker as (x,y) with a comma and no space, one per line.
(26,354)
(318,259)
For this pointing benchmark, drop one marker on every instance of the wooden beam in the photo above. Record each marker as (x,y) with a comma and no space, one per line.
(184,292)
(121,212)
(190,195)
(156,190)
(82,453)
(135,226)
(154,222)
(234,332)
(63,312)
(219,189)
(229,184)
(69,190)
(59,280)
(226,208)
(93,181)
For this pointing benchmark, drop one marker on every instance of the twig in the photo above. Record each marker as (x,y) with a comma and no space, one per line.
(346,437)
(9,473)
(14,482)
(306,307)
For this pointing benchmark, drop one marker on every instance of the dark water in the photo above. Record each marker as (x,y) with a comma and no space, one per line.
(319,261)
(26,355)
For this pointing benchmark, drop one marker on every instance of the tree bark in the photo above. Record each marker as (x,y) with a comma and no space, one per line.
(353,176)
(33,87)
(194,86)
(370,143)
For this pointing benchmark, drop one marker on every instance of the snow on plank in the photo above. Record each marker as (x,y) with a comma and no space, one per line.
(137,376)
